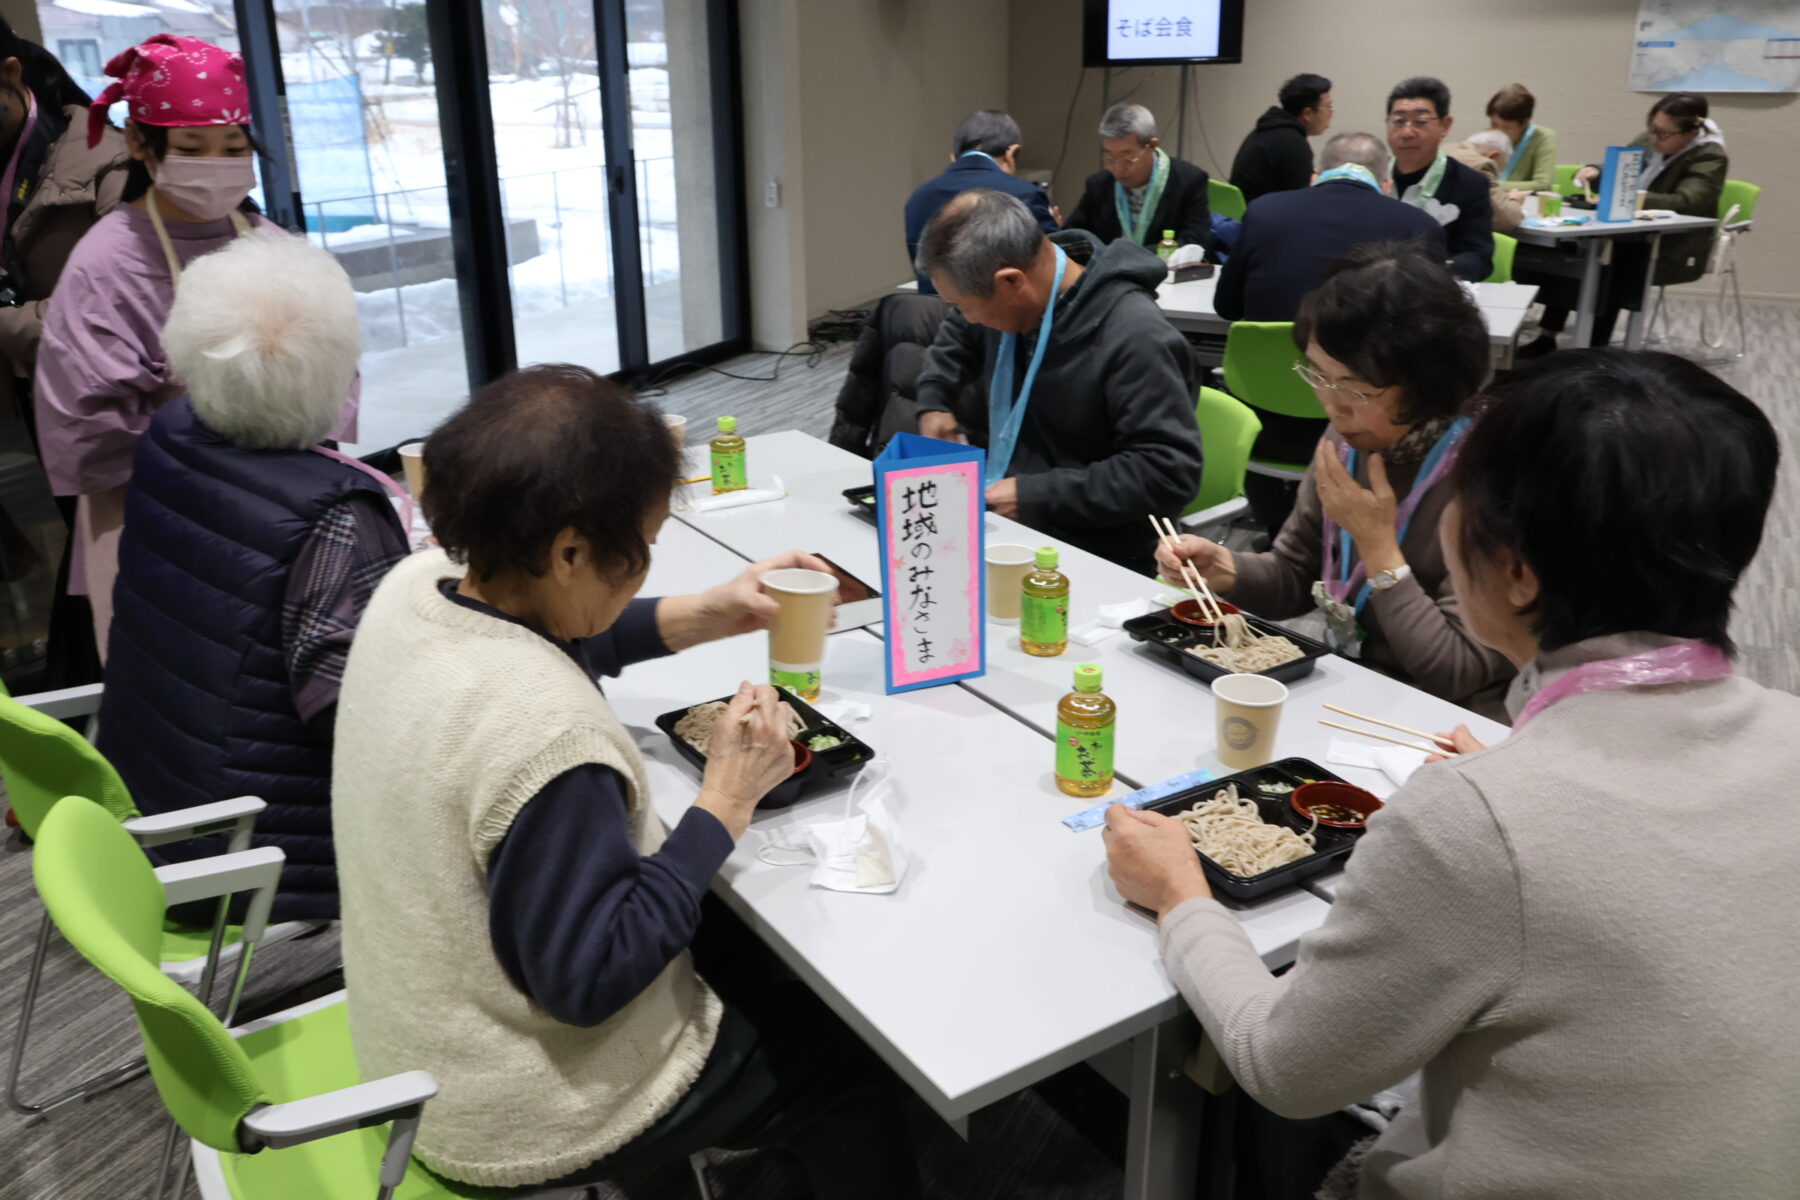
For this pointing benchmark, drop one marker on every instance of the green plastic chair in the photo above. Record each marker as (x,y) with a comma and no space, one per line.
(1228,428)
(1744,196)
(1504,249)
(1565,178)
(1225,199)
(1259,370)
(42,760)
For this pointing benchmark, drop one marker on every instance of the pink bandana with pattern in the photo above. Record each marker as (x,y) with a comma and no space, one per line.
(175,81)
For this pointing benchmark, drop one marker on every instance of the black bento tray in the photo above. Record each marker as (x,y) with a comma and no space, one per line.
(1171,638)
(862,500)
(1332,846)
(828,767)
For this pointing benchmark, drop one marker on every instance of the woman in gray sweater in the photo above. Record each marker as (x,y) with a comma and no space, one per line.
(1584,935)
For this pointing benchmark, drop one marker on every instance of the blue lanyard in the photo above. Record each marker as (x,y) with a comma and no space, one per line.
(1446,442)
(1512,164)
(1005,414)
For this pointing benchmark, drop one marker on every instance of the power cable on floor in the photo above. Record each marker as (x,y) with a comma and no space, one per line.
(656,384)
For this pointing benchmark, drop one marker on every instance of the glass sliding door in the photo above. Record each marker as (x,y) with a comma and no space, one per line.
(369,161)
(549,141)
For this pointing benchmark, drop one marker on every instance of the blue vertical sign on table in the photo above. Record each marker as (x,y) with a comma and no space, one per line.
(929,499)
(1619,176)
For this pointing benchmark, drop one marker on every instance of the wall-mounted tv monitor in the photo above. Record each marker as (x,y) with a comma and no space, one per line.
(1138,33)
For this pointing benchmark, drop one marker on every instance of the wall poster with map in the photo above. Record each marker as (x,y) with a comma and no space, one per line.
(1716,46)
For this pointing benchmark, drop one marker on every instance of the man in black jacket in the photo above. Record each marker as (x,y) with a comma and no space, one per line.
(1143,191)
(1096,431)
(1289,238)
(983,154)
(1275,156)
(1426,178)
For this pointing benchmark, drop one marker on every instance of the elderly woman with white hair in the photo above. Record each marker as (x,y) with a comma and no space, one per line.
(1488,152)
(1143,191)
(249,552)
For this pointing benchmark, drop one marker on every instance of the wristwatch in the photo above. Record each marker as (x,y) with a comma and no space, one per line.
(1387,579)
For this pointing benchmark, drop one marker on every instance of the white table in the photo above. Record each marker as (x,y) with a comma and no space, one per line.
(1595,239)
(1005,1003)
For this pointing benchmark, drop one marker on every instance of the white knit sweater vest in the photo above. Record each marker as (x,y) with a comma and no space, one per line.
(448,722)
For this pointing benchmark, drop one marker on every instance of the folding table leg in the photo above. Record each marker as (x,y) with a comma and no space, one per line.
(1162,1145)
(1634,329)
(1590,289)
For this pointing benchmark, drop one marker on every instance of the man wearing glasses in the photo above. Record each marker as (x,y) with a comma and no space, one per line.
(1426,178)
(1143,191)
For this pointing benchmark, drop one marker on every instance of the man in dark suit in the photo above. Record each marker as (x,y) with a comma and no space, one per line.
(1289,238)
(1425,177)
(984,154)
(1143,191)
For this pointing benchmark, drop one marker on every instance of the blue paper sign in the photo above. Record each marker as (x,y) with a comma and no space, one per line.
(1619,176)
(929,501)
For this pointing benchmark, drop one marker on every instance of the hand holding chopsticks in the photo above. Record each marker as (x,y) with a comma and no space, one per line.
(1443,745)
(1209,604)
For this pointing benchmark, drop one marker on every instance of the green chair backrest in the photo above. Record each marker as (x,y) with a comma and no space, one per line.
(1259,369)
(1565,177)
(42,760)
(1504,249)
(106,900)
(1742,194)
(1225,199)
(1228,428)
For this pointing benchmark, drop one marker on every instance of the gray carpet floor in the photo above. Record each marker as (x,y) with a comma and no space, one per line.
(106,1149)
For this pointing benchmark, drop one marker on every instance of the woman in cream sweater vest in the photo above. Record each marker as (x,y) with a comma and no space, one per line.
(517,920)
(1583,936)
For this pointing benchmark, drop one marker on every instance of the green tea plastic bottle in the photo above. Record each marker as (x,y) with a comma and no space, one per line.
(1167,246)
(1084,736)
(1044,608)
(728,471)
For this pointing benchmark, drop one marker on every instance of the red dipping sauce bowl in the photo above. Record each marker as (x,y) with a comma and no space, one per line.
(802,756)
(1189,611)
(1345,796)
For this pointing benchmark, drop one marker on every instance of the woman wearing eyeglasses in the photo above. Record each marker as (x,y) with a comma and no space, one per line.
(1684,171)
(1394,348)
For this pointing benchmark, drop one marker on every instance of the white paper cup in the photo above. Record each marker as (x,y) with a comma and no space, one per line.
(1248,711)
(1007,565)
(412,461)
(677,429)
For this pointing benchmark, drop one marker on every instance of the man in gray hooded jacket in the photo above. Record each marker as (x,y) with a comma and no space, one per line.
(1087,432)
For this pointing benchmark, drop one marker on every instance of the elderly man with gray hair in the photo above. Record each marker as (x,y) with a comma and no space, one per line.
(1488,152)
(1143,193)
(249,551)
(1287,241)
(1089,422)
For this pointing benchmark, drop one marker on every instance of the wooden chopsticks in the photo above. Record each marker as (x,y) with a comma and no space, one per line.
(1209,604)
(1441,744)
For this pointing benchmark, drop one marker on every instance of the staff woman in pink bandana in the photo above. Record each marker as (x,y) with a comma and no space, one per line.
(102,373)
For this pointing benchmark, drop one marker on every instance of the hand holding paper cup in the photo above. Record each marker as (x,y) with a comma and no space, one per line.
(797,630)
(1248,712)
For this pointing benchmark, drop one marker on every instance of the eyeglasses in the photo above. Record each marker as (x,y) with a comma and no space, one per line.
(1109,158)
(1663,135)
(1310,373)
(1398,123)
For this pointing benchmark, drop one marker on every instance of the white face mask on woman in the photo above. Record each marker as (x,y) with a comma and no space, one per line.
(209,188)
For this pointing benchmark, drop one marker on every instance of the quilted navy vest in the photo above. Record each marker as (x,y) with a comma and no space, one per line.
(197,705)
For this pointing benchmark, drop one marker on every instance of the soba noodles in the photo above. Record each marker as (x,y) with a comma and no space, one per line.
(1232,833)
(1245,649)
(696,727)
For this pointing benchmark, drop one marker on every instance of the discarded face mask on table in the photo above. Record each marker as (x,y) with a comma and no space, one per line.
(861,853)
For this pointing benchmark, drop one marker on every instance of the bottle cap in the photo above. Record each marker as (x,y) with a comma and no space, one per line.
(1087,678)
(727,424)
(1046,557)
(1168,235)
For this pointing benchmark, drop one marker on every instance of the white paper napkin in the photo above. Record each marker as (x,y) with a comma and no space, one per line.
(1396,762)
(741,498)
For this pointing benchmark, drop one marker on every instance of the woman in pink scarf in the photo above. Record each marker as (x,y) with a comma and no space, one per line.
(102,373)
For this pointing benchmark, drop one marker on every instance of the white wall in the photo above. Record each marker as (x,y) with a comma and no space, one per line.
(1573,57)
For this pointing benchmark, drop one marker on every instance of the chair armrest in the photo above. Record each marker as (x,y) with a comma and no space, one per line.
(257,871)
(393,1098)
(237,816)
(83,701)
(1225,510)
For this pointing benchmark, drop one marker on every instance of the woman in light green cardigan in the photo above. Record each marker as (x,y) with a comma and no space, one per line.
(1532,167)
